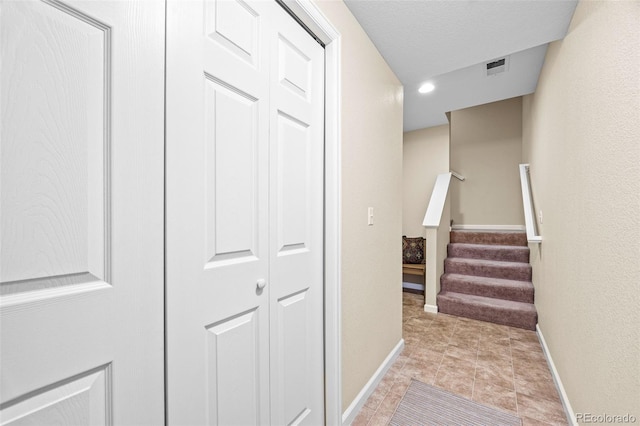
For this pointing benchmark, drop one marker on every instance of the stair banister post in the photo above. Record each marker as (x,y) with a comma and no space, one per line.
(436,223)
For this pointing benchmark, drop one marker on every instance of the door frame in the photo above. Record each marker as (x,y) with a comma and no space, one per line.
(309,14)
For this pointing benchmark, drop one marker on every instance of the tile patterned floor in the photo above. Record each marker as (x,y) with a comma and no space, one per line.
(496,365)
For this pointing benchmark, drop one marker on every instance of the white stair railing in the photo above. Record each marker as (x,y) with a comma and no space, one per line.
(527,201)
(436,223)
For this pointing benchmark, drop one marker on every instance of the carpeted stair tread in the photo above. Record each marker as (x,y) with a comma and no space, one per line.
(497,288)
(488,268)
(498,311)
(489,252)
(515,238)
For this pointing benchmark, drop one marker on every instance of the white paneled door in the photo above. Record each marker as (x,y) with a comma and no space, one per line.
(81,193)
(245,108)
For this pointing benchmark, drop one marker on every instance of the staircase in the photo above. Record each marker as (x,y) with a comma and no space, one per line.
(488,277)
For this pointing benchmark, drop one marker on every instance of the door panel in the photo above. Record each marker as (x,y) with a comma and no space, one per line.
(292,357)
(234,375)
(233,25)
(82,400)
(81,195)
(54,148)
(244,184)
(217,202)
(231,140)
(296,225)
(292,176)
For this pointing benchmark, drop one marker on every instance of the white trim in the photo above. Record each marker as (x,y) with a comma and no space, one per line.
(314,19)
(493,228)
(436,203)
(527,204)
(431,308)
(309,14)
(352,411)
(571,415)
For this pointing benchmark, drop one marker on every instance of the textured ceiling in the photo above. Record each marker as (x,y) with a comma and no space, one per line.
(449,42)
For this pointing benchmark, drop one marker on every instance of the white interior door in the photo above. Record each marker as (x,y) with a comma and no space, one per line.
(81,193)
(244,215)
(296,249)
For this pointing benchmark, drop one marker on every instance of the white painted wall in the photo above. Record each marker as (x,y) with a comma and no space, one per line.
(371,114)
(581,135)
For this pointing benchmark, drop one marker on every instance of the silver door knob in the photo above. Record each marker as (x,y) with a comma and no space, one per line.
(261,284)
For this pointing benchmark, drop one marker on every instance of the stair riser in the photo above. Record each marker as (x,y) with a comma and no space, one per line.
(526,320)
(519,254)
(495,238)
(505,293)
(516,272)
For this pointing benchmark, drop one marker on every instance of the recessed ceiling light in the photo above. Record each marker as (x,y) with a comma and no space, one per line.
(426,88)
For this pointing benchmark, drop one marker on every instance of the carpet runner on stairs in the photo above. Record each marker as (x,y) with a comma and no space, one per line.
(488,277)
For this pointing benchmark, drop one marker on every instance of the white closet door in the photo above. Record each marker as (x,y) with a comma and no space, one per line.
(81,193)
(296,224)
(244,328)
(217,214)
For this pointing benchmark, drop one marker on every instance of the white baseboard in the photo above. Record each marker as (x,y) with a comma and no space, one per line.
(354,408)
(431,308)
(495,228)
(571,415)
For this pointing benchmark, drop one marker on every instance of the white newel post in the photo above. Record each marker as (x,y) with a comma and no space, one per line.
(436,223)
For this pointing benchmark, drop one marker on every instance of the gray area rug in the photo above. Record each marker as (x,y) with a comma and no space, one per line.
(425,405)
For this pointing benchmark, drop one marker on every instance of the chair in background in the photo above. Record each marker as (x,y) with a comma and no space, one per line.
(413,256)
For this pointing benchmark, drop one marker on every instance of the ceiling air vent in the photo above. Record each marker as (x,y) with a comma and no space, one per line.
(497,66)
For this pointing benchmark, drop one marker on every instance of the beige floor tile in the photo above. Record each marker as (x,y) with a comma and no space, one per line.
(464,353)
(458,366)
(495,376)
(544,388)
(437,336)
(493,364)
(541,409)
(521,334)
(494,359)
(527,355)
(389,405)
(464,341)
(363,417)
(402,381)
(400,361)
(428,356)
(486,392)
(496,331)
(400,385)
(427,376)
(460,385)
(375,399)
(526,421)
(492,341)
(498,347)
(526,346)
(433,344)
(379,419)
(531,370)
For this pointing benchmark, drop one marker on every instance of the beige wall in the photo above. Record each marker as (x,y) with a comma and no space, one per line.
(486,148)
(425,155)
(371,177)
(582,138)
